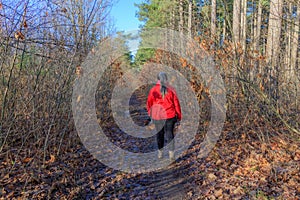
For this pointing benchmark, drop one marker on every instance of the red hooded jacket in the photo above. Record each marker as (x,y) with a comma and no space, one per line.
(163,108)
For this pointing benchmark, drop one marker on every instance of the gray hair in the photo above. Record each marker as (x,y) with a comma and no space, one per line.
(162,76)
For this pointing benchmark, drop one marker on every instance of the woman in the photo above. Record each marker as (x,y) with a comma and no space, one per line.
(164,108)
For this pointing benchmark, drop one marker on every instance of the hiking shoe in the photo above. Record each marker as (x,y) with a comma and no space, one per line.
(160,154)
(171,156)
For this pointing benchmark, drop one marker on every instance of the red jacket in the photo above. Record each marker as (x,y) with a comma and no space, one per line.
(163,108)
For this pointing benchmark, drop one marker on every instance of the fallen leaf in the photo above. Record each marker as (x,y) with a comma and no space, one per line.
(219,162)
(52,159)
(238,190)
(27,160)
(6,176)
(212,177)
(78,71)
(78,98)
(218,193)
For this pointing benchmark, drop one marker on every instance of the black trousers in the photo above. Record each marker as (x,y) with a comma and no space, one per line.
(165,131)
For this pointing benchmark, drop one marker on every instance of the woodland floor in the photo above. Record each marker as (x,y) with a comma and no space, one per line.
(240,166)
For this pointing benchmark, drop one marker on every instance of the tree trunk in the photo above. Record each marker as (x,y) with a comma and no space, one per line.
(213,18)
(274,33)
(190,18)
(273,47)
(224,30)
(295,56)
(243,32)
(225,22)
(236,30)
(289,32)
(257,34)
(236,20)
(181,20)
(257,26)
(295,43)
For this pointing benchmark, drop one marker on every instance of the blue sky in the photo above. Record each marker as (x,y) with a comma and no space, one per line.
(123,14)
